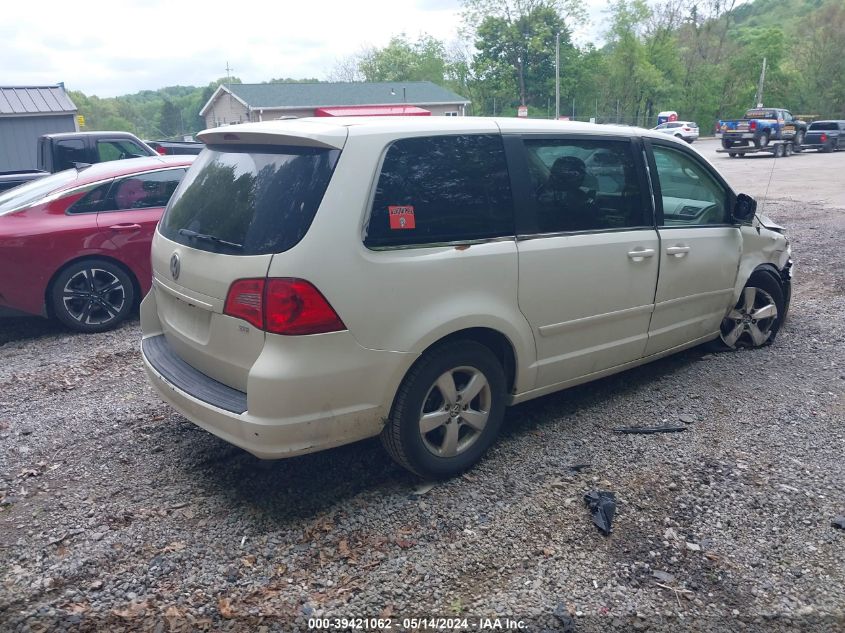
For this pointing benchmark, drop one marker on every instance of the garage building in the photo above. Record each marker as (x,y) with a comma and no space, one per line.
(242,103)
(27,112)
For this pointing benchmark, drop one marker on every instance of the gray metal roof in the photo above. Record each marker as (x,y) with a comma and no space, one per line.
(324,94)
(35,100)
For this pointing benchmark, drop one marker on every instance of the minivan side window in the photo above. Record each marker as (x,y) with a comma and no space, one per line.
(441,189)
(585,185)
(691,195)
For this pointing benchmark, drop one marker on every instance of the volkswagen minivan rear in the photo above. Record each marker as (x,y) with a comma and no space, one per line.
(222,341)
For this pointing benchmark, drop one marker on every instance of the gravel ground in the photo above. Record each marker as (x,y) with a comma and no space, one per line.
(117,514)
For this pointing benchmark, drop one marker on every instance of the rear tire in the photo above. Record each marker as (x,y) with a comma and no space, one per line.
(448,410)
(732,154)
(92,295)
(761,139)
(779,150)
(727,143)
(828,148)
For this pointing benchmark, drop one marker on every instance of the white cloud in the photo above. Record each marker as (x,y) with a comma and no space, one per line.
(118,47)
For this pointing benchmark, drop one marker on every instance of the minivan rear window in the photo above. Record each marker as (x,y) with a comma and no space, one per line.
(249,200)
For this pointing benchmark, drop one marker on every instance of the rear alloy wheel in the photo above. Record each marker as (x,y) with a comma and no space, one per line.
(448,410)
(757,316)
(92,296)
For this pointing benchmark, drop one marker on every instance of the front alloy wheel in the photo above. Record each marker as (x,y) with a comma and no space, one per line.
(755,319)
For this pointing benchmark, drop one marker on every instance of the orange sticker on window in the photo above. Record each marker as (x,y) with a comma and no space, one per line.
(401,217)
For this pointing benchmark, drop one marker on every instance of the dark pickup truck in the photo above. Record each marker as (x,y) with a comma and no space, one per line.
(176,148)
(825,136)
(762,125)
(57,152)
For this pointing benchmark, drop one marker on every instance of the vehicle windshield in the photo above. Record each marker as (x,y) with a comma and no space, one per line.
(29,193)
(823,125)
(249,200)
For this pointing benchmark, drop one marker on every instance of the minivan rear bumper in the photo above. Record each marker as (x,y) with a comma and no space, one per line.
(304,394)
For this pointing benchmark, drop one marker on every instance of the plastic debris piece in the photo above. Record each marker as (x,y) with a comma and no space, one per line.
(565,618)
(663,576)
(602,506)
(577,468)
(645,430)
(839,522)
(424,487)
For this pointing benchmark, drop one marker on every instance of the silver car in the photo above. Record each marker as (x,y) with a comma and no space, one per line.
(686,130)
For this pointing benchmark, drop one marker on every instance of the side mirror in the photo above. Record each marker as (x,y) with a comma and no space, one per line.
(744,208)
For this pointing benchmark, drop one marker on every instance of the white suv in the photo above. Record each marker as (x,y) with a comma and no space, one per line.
(319,282)
(686,130)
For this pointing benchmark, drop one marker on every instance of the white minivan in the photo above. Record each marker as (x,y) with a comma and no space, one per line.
(317,282)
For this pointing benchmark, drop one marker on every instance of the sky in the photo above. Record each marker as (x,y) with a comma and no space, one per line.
(110,48)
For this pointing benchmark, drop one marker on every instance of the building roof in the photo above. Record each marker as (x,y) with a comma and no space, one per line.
(324,94)
(35,100)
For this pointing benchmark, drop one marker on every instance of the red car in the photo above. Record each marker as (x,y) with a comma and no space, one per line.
(76,245)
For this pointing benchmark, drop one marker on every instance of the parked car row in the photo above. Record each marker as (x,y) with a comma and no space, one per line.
(295,297)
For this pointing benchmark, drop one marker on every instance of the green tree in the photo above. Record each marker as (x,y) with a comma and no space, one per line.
(403,60)
(819,63)
(170,122)
(516,52)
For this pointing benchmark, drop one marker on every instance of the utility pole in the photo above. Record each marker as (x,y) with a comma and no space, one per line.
(557,76)
(759,97)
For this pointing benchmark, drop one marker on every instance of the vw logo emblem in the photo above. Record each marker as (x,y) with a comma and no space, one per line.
(175,266)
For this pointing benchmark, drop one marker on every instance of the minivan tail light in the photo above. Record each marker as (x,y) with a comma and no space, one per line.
(245,300)
(294,306)
(286,306)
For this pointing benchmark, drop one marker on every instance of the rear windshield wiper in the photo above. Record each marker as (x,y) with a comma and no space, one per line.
(208,238)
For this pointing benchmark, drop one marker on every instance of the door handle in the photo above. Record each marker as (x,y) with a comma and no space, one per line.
(678,251)
(125,227)
(639,255)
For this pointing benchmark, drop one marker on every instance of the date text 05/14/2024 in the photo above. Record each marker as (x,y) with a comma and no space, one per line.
(416,624)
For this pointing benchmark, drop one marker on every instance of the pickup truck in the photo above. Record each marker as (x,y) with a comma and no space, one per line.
(57,152)
(176,148)
(762,125)
(825,136)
